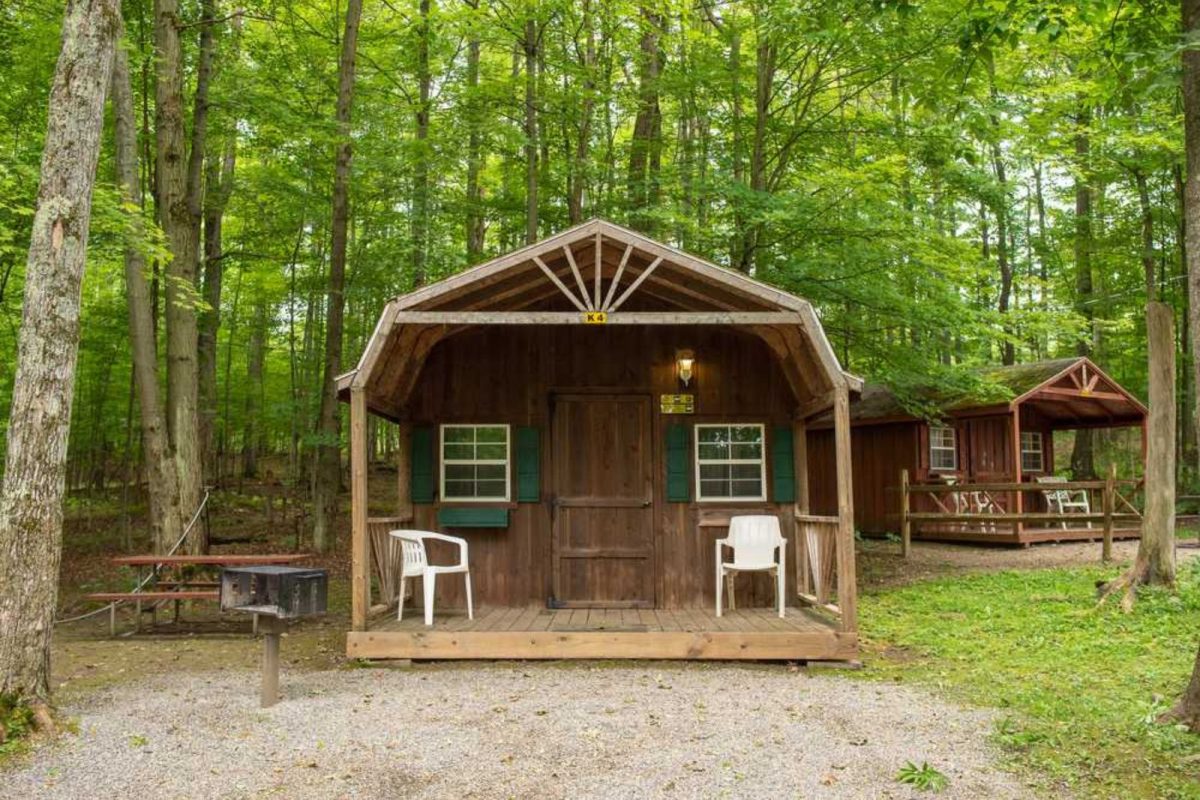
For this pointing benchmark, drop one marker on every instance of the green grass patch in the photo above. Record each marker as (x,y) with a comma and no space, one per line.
(1078,686)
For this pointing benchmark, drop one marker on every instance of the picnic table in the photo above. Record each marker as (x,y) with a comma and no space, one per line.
(159,579)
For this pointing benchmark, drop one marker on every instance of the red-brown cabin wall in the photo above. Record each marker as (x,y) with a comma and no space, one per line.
(507,375)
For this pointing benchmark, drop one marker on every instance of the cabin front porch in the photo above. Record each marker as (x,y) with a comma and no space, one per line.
(534,632)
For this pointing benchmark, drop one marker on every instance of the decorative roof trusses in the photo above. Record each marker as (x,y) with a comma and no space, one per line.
(586,274)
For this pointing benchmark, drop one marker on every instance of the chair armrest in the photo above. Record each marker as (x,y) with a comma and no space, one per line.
(455,540)
(723,543)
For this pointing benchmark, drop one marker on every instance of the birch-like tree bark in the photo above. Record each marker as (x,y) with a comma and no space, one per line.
(327,477)
(31,499)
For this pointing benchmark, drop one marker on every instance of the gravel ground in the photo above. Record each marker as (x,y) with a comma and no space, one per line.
(514,730)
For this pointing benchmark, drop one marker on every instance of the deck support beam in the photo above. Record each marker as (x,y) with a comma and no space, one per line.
(360,556)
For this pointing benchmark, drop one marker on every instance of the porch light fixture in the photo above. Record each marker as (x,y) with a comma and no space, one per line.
(685,366)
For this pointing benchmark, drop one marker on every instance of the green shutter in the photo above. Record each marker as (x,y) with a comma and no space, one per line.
(422,482)
(677,464)
(473,517)
(529,466)
(783,466)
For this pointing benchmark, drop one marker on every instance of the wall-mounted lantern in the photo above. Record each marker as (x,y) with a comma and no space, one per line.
(685,367)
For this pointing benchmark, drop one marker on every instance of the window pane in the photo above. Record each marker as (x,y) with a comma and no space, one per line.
(714,452)
(460,489)
(458,433)
(713,434)
(491,452)
(490,489)
(746,433)
(459,452)
(747,488)
(493,433)
(460,472)
(714,472)
(745,472)
(714,488)
(494,472)
(746,451)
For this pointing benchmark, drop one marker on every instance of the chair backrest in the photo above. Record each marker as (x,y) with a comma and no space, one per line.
(412,548)
(754,538)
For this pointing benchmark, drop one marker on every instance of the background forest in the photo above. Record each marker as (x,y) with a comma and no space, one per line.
(951,183)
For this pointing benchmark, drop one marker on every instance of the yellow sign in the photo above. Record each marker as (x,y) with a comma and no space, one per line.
(595,317)
(677,403)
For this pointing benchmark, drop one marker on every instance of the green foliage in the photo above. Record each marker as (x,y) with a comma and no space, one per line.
(924,777)
(16,723)
(1080,688)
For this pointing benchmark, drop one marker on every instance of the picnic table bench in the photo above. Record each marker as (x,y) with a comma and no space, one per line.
(154,589)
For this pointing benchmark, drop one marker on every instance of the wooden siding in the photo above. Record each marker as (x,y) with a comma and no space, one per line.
(489,375)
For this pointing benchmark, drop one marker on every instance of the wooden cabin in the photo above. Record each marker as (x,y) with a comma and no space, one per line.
(588,412)
(976,442)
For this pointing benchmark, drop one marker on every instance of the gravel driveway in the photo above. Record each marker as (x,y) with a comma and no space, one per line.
(523,730)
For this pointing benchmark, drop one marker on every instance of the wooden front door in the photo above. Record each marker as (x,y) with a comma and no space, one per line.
(603,502)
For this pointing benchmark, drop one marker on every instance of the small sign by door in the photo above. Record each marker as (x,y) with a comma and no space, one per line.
(677,403)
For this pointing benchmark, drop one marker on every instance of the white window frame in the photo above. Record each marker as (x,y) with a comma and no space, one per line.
(1040,451)
(761,461)
(443,461)
(941,448)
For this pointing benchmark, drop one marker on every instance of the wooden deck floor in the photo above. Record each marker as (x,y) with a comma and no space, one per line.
(532,632)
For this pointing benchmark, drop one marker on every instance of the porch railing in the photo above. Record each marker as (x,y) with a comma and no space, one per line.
(383,557)
(816,561)
(985,507)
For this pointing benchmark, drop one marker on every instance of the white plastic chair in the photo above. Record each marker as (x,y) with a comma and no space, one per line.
(755,541)
(416,564)
(1065,501)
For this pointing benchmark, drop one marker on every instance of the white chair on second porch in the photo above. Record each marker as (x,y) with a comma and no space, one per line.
(416,564)
(758,546)
(1065,501)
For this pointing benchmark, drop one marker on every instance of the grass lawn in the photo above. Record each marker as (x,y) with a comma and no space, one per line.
(1083,685)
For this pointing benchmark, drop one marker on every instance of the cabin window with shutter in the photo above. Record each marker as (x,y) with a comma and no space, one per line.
(730,462)
(943,449)
(475,463)
(1032,455)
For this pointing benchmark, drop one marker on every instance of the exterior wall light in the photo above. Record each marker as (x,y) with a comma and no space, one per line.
(685,366)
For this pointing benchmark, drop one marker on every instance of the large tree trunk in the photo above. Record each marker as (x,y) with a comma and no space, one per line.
(31,499)
(1187,710)
(1157,548)
(577,174)
(474,222)
(218,187)
(327,479)
(175,198)
(1191,188)
(420,198)
(530,44)
(647,125)
(1082,461)
(166,516)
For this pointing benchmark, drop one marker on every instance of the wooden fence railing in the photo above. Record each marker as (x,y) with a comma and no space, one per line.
(986,512)
(816,560)
(384,560)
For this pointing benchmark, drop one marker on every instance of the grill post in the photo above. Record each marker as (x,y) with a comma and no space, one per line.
(271,627)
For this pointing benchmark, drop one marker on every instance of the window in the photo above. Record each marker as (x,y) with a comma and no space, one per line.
(1031,452)
(730,463)
(475,462)
(943,453)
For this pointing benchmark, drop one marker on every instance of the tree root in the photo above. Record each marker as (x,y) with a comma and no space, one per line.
(1125,584)
(1180,715)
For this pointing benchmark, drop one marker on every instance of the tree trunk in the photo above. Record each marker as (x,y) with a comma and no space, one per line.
(254,389)
(475,228)
(577,177)
(1187,710)
(1082,462)
(1157,548)
(764,89)
(175,199)
(31,499)
(1003,256)
(530,44)
(1191,189)
(419,227)
(166,517)
(327,479)
(647,124)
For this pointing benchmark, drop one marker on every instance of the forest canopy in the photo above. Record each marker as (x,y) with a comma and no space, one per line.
(951,183)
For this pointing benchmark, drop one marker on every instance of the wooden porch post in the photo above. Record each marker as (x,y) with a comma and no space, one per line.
(404,506)
(847,580)
(800,463)
(360,585)
(1018,497)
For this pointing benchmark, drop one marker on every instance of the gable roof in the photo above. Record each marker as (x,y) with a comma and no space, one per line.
(596,265)
(1053,386)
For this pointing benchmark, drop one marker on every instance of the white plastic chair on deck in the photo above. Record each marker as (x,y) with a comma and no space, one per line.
(416,564)
(755,540)
(1065,501)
